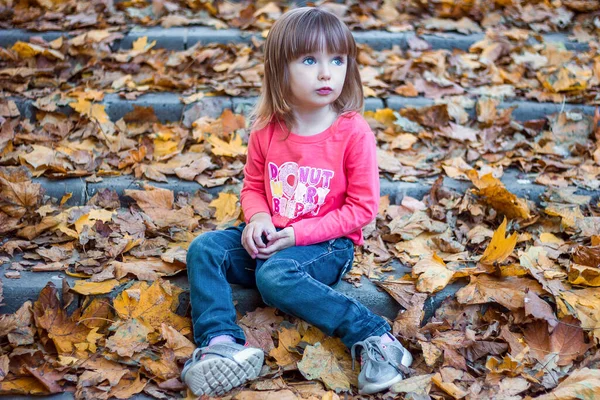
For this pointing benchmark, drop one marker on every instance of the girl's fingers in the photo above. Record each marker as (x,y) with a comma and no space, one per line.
(250,246)
(257,236)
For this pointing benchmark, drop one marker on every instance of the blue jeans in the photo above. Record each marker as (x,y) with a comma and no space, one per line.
(297,280)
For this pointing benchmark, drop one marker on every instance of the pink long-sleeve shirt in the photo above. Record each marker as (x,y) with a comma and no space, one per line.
(325,186)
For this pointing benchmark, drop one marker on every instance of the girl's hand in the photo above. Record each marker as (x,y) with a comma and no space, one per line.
(260,224)
(278,241)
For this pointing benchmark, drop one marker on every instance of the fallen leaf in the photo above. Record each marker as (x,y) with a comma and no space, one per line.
(579,384)
(89,288)
(500,247)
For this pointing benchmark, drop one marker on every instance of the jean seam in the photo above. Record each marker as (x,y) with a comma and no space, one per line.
(321,256)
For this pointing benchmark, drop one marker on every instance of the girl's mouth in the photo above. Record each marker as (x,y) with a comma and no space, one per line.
(324,91)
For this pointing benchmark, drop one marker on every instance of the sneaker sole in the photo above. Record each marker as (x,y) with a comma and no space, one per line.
(371,388)
(217,376)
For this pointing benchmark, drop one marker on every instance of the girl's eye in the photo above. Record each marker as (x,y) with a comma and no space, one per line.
(309,60)
(338,61)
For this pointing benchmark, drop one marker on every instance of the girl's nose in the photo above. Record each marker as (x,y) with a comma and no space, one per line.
(324,73)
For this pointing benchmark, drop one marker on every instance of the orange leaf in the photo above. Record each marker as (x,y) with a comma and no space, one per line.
(500,247)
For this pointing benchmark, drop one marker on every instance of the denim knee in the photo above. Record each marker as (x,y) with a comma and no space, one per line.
(272,280)
(200,246)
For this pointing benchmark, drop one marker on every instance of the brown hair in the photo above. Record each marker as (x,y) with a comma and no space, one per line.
(302,31)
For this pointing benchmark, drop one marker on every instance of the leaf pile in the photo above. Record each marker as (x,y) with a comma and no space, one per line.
(424,15)
(524,321)
(506,63)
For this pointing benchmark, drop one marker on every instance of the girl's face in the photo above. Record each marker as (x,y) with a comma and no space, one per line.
(317,79)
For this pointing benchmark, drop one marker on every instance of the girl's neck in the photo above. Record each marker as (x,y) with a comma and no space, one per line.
(312,122)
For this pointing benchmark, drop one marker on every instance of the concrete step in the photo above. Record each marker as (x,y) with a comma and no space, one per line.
(17,291)
(520,184)
(182,38)
(168,106)
(29,285)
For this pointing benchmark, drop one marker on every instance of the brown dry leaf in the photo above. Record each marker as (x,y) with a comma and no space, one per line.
(50,315)
(509,291)
(97,314)
(181,346)
(587,255)
(420,384)
(583,305)
(130,337)
(538,308)
(498,197)
(432,274)
(4,366)
(568,340)
(148,269)
(408,322)
(18,195)
(412,225)
(580,384)
(128,386)
(401,290)
(567,78)
(164,366)
(319,363)
(431,353)
(21,331)
(158,204)
(500,247)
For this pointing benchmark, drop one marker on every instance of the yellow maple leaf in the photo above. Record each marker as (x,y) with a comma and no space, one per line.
(164,148)
(154,305)
(500,246)
(101,214)
(82,106)
(384,115)
(141,45)
(93,111)
(28,50)
(498,197)
(226,205)
(231,149)
(99,114)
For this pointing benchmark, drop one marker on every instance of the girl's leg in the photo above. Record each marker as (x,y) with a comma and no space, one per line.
(298,281)
(214,260)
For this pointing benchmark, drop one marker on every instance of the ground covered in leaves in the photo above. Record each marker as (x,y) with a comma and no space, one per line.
(525,323)
(504,64)
(395,16)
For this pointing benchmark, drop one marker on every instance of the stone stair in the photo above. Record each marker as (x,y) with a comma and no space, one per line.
(169,107)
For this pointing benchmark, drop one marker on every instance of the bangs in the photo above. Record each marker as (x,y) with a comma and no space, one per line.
(316,31)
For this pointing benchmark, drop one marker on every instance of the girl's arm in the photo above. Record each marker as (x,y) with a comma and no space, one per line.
(253,197)
(362,197)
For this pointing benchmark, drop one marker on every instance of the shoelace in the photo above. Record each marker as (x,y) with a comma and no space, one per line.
(373,348)
(374,351)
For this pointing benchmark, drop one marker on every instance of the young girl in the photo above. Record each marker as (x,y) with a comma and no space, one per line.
(311,183)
